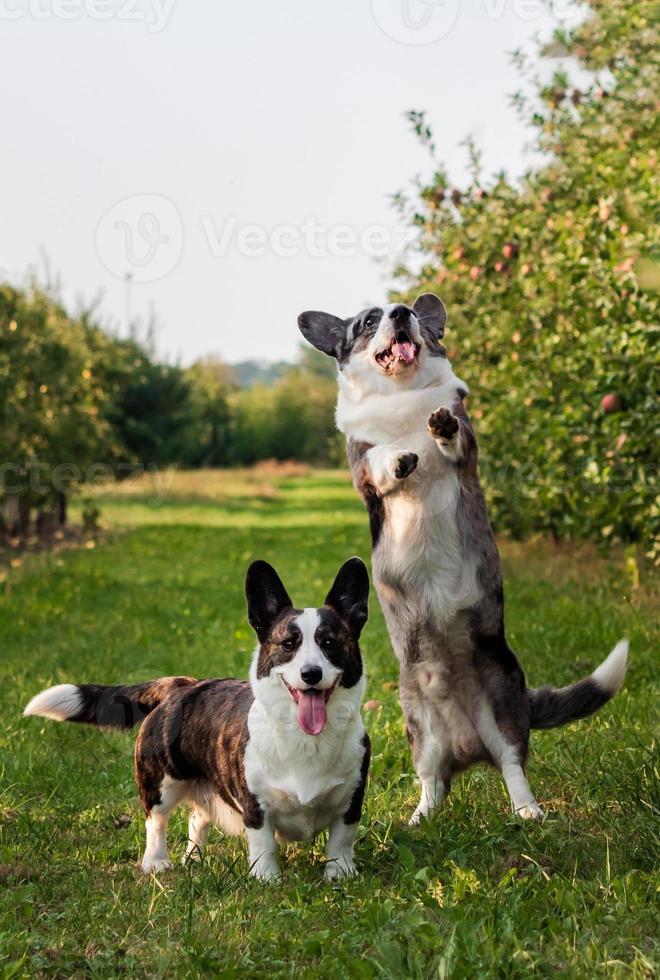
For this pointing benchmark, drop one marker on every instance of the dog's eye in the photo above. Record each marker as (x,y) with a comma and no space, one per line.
(288,645)
(328,643)
(370,321)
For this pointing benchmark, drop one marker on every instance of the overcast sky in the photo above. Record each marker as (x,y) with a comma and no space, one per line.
(237,159)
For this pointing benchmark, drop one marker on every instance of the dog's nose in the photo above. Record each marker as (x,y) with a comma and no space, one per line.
(311,674)
(400,314)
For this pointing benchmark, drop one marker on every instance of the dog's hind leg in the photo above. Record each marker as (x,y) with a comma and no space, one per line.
(432,795)
(509,758)
(429,745)
(523,802)
(155,856)
(431,760)
(198,832)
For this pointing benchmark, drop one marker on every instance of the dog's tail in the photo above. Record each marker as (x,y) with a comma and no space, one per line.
(107,707)
(554,706)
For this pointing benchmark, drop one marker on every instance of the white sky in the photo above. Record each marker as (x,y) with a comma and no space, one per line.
(205,116)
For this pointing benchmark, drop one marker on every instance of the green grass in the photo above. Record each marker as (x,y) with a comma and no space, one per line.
(473,893)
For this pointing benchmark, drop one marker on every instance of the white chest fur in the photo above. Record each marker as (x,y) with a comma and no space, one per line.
(303,781)
(380,418)
(419,544)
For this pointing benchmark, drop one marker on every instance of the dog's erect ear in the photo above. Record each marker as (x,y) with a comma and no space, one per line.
(266,597)
(432,316)
(349,595)
(324,331)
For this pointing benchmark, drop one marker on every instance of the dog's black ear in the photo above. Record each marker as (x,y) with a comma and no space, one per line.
(266,597)
(432,316)
(349,595)
(324,331)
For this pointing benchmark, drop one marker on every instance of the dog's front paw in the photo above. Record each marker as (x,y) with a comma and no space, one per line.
(405,465)
(338,868)
(155,865)
(265,870)
(443,425)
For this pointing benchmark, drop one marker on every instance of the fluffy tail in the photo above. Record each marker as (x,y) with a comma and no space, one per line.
(107,707)
(554,706)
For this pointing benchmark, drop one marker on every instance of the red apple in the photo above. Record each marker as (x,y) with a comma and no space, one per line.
(610,403)
(510,250)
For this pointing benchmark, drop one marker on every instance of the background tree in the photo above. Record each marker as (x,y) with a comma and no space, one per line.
(551,287)
(206,436)
(51,422)
(292,419)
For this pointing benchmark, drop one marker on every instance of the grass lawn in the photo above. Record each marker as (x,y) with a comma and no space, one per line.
(473,893)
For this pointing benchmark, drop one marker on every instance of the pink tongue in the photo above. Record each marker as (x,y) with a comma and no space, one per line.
(405,352)
(312,715)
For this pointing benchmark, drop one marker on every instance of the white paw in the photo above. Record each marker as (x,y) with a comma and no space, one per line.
(265,870)
(154,865)
(194,855)
(338,868)
(416,818)
(531,811)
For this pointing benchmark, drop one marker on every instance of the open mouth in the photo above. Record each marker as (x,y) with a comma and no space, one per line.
(312,706)
(402,351)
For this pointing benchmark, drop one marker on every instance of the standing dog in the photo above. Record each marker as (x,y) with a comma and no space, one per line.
(436,567)
(285,754)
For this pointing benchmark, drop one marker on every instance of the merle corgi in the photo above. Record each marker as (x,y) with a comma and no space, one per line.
(436,567)
(281,756)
